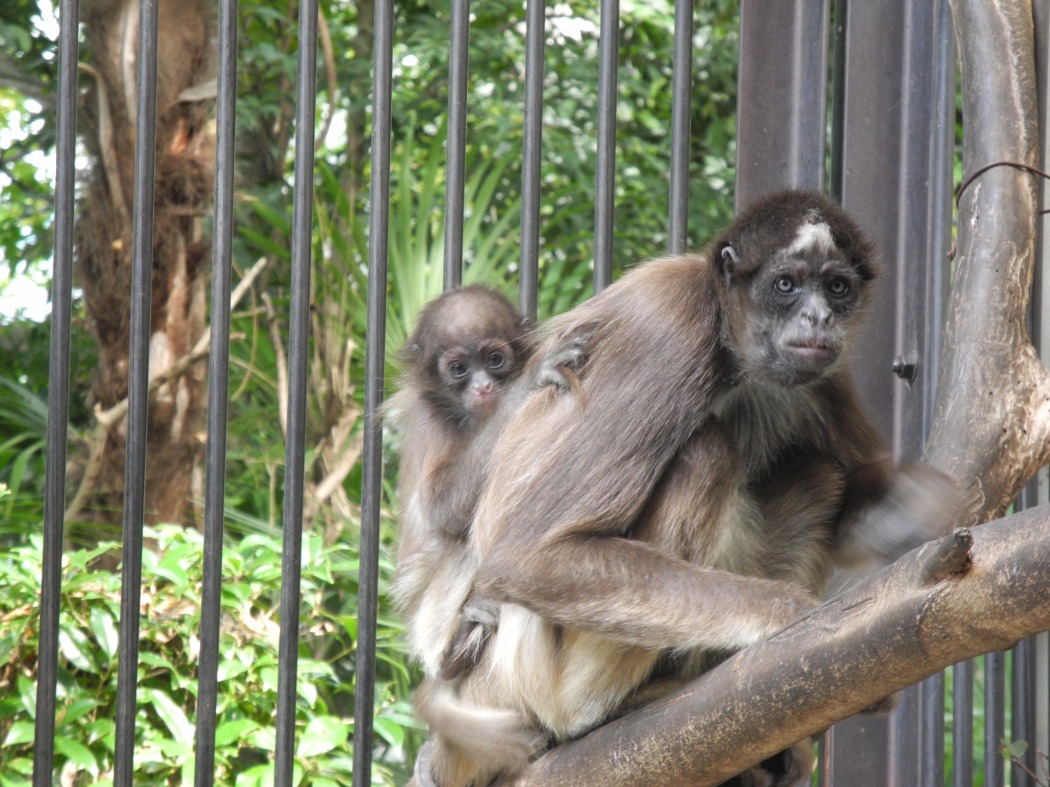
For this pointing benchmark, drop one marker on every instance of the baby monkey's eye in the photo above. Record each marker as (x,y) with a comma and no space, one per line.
(785,285)
(495,361)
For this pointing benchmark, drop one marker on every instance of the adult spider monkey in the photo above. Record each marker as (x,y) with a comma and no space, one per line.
(693,501)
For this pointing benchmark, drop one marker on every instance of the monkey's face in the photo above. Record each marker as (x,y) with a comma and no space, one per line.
(473,376)
(795,311)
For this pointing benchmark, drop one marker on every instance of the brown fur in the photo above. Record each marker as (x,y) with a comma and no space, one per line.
(445,457)
(692,504)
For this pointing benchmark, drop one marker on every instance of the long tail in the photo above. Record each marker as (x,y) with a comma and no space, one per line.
(473,743)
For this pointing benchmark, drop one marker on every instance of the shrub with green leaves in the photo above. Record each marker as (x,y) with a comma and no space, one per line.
(168,661)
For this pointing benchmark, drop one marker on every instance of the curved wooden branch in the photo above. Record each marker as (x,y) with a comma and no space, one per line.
(901,625)
(993,411)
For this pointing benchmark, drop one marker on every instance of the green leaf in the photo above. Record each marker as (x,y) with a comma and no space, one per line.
(259,776)
(20,732)
(76,647)
(389,730)
(1011,749)
(104,627)
(173,716)
(322,734)
(233,731)
(76,710)
(76,752)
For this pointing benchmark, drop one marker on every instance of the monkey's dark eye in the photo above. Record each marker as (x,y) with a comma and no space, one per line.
(457,369)
(495,361)
(785,285)
(839,287)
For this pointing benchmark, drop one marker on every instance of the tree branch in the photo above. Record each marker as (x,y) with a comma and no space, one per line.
(952,599)
(993,410)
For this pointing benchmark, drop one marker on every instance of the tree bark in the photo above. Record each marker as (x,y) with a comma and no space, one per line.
(992,419)
(184,162)
(955,598)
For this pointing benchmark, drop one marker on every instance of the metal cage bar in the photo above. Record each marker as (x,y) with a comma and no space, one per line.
(962,729)
(605,196)
(218,390)
(994,716)
(531,164)
(58,398)
(459,40)
(781,96)
(298,357)
(138,386)
(371,484)
(681,102)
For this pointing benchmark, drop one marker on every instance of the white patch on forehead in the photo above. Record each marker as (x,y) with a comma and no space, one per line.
(813,238)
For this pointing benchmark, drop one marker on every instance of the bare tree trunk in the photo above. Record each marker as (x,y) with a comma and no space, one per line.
(185,153)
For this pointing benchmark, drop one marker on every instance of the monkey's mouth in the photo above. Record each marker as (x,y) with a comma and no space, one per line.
(483,403)
(814,350)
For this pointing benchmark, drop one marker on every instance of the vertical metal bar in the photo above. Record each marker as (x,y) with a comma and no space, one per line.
(962,724)
(940,147)
(372,478)
(681,100)
(840,9)
(298,357)
(218,389)
(459,40)
(1022,723)
(893,147)
(138,382)
(57,399)
(605,197)
(535,38)
(994,715)
(781,96)
(931,763)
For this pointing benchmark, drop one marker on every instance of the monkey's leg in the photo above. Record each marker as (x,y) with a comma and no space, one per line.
(470,744)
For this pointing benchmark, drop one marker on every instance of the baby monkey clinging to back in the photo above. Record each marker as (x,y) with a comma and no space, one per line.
(470,343)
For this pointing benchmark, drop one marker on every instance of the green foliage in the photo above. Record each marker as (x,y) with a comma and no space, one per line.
(27,131)
(167,675)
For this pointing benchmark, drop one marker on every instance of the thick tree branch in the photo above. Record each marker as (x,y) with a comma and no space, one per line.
(966,594)
(993,409)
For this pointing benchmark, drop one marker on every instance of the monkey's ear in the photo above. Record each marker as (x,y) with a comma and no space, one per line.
(415,349)
(728,260)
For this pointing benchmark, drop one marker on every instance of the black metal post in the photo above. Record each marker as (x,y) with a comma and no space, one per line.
(298,358)
(218,389)
(138,382)
(57,398)
(372,478)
